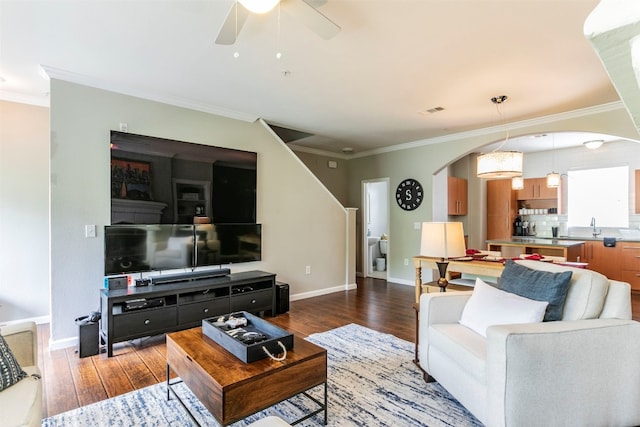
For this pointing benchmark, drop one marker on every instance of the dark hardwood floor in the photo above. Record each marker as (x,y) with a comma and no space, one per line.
(70,382)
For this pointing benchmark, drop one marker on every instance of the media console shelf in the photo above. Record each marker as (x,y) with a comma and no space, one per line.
(138,312)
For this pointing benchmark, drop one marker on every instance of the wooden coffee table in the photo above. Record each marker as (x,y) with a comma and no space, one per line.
(232,390)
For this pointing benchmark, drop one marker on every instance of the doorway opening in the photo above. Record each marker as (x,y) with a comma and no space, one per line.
(375,228)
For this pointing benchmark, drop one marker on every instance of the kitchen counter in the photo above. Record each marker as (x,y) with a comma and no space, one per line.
(570,250)
(528,241)
(594,239)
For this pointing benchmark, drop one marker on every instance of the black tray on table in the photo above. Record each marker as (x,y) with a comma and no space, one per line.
(246,350)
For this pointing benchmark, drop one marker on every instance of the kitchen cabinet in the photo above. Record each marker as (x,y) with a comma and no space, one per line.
(457,195)
(604,260)
(501,209)
(536,189)
(631,264)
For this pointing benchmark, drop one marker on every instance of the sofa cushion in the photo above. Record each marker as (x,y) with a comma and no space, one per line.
(537,285)
(490,306)
(25,401)
(462,345)
(587,290)
(10,370)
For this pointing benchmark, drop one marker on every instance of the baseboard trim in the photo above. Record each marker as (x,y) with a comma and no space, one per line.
(401,281)
(63,343)
(326,291)
(38,320)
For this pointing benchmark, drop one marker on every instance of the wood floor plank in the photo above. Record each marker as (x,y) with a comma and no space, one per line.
(70,382)
(136,370)
(113,377)
(85,378)
(61,393)
(156,362)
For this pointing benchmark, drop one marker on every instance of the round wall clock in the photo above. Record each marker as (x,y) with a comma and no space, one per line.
(409,194)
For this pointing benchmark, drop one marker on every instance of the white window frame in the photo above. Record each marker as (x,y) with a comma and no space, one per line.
(601,193)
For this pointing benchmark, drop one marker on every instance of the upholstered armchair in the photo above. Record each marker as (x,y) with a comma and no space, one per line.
(581,370)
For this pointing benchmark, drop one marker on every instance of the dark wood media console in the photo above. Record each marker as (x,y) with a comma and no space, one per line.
(138,312)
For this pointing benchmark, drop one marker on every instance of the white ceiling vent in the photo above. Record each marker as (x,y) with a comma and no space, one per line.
(432,110)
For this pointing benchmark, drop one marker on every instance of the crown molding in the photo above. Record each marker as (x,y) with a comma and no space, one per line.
(23,98)
(318,152)
(597,109)
(72,77)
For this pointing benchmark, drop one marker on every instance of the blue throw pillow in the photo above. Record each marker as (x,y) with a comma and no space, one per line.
(537,285)
(10,370)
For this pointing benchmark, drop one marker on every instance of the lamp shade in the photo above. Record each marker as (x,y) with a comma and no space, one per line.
(553,180)
(442,240)
(500,164)
(259,6)
(517,183)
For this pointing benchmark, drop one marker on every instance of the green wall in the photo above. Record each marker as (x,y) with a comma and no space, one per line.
(421,162)
(303,224)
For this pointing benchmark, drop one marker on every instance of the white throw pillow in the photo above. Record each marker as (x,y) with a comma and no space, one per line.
(490,306)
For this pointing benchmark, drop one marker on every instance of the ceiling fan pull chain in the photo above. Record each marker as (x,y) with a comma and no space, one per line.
(236,54)
(278,53)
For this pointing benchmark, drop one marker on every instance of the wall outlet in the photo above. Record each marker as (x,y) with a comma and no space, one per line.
(416,225)
(90,230)
(124,127)
(307,269)
(406,261)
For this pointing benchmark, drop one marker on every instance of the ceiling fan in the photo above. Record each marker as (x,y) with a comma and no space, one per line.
(302,10)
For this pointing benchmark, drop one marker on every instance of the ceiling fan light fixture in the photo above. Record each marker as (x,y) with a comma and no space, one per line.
(259,6)
(592,145)
(500,164)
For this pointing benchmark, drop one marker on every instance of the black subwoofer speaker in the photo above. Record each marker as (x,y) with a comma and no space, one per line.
(282,297)
(88,338)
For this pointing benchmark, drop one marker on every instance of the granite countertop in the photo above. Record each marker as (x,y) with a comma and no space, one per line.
(535,241)
(589,238)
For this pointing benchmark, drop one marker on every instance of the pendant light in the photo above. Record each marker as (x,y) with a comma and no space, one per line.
(500,164)
(517,183)
(259,6)
(553,178)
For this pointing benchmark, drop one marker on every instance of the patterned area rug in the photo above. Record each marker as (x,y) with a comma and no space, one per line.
(372,381)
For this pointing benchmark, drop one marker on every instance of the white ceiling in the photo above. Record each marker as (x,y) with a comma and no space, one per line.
(365,88)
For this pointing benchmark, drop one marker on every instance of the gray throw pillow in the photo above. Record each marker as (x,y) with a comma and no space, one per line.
(10,370)
(537,285)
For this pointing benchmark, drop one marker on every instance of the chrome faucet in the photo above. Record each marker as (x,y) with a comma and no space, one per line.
(595,232)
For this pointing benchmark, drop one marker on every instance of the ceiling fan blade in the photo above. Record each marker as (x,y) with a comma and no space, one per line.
(232,24)
(311,17)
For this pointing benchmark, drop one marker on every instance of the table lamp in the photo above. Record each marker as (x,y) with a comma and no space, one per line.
(442,240)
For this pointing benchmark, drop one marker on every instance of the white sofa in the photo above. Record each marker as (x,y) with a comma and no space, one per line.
(579,371)
(22,402)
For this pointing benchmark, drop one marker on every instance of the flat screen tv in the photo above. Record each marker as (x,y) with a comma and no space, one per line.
(219,244)
(157,180)
(134,248)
